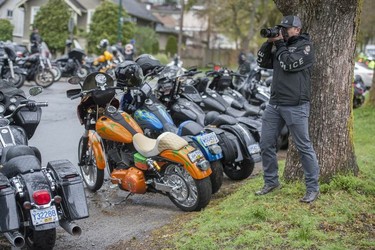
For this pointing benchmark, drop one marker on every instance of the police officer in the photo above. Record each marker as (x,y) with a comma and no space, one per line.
(291,56)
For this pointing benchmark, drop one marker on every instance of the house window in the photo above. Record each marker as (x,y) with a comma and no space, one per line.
(10,13)
(34,10)
(90,13)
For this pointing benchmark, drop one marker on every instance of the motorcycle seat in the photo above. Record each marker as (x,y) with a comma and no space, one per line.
(13,151)
(20,165)
(152,147)
(189,128)
(224,120)
(238,113)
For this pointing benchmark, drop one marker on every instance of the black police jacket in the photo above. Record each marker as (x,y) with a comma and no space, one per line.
(291,62)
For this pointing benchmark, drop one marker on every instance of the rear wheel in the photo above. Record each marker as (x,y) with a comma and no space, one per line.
(41,240)
(239,170)
(44,78)
(187,194)
(217,175)
(92,176)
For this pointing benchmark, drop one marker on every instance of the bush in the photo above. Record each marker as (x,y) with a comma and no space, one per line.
(146,41)
(171,46)
(163,58)
(6,30)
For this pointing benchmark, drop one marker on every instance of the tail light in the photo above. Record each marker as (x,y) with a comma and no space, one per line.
(41,197)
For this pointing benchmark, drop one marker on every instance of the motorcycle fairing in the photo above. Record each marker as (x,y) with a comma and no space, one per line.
(181,156)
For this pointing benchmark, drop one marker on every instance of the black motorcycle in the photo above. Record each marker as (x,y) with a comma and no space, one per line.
(34,200)
(9,71)
(239,144)
(37,70)
(359,90)
(73,64)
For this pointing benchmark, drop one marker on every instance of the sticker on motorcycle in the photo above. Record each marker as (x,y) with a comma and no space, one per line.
(43,216)
(209,139)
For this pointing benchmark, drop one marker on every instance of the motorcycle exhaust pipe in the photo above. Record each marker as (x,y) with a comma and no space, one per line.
(15,238)
(71,227)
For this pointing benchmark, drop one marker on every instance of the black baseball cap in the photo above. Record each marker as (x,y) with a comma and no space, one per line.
(291,21)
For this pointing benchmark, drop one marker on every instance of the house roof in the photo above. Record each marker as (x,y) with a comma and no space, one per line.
(2,2)
(137,9)
(167,20)
(74,4)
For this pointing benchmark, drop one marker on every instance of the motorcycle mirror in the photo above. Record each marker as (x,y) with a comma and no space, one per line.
(35,91)
(74,80)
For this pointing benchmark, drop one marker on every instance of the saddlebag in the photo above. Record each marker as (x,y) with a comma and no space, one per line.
(70,188)
(8,208)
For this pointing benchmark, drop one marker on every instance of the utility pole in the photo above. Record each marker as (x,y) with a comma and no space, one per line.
(180,33)
(120,21)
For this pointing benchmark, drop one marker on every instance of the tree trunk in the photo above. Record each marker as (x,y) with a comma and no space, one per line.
(371,100)
(333,27)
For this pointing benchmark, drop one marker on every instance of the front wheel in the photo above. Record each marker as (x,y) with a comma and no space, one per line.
(17,81)
(44,239)
(82,72)
(44,78)
(217,175)
(239,170)
(91,174)
(187,193)
(56,73)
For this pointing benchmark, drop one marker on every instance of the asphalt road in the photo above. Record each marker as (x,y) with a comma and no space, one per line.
(114,217)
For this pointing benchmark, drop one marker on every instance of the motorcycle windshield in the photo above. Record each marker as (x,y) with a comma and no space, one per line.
(96,80)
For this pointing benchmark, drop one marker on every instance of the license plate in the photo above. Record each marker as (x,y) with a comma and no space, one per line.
(209,139)
(195,155)
(43,216)
(254,148)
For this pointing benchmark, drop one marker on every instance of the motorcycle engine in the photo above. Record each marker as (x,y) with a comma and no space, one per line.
(131,179)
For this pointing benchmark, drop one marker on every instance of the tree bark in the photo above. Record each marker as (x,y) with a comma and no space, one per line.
(333,27)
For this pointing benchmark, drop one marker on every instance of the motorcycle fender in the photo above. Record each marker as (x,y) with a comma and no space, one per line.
(181,156)
(33,182)
(246,139)
(205,150)
(96,143)
(20,71)
(70,188)
(9,219)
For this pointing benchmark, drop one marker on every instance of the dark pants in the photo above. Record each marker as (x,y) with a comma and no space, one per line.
(296,119)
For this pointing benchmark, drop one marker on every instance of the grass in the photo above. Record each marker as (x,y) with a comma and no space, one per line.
(342,218)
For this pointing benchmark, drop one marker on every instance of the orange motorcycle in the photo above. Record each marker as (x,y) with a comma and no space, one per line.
(113,140)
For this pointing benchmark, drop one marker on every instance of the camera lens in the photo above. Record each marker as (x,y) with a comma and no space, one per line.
(264,32)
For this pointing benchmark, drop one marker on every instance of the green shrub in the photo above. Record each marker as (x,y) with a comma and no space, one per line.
(163,58)
(171,46)
(6,30)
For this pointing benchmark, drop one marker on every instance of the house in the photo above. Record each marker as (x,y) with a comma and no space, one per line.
(9,11)
(82,12)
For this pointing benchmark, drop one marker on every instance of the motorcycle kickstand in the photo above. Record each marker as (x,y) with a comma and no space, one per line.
(118,203)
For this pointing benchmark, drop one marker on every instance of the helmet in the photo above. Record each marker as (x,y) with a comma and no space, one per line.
(129,74)
(103,43)
(147,63)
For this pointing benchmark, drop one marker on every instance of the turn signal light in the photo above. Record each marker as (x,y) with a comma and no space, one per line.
(41,197)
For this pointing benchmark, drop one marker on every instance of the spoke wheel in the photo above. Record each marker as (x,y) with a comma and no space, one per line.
(92,176)
(239,170)
(187,193)
(44,78)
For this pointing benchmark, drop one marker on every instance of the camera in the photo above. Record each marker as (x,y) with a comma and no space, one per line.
(270,32)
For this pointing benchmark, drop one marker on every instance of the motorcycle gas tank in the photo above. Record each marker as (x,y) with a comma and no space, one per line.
(154,116)
(211,100)
(184,110)
(119,127)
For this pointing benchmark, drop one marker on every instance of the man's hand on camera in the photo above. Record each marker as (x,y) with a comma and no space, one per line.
(279,37)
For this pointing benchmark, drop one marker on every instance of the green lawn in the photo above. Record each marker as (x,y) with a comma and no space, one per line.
(342,218)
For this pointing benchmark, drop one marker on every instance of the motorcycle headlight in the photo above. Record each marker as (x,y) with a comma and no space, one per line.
(12,107)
